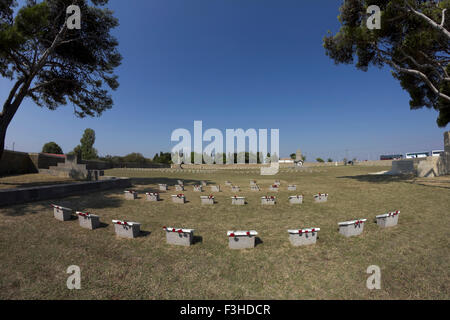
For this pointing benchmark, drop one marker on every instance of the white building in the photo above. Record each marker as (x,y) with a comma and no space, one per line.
(286,160)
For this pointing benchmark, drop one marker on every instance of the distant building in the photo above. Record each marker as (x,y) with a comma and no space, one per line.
(286,160)
(437,153)
(413,155)
(391,157)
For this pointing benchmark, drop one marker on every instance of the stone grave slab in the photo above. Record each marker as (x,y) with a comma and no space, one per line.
(179,198)
(298,199)
(152,196)
(303,237)
(127,229)
(179,236)
(62,214)
(88,220)
(352,228)
(387,220)
(241,239)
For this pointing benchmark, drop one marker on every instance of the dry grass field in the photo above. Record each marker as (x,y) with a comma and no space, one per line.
(414,257)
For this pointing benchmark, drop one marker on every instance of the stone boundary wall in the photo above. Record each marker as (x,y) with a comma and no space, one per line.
(133,165)
(13,162)
(23,195)
(44,161)
(376,163)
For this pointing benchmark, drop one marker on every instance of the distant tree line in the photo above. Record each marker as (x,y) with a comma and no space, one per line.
(137,158)
(86,151)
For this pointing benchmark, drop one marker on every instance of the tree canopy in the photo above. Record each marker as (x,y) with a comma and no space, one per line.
(414,41)
(52,147)
(86,148)
(55,65)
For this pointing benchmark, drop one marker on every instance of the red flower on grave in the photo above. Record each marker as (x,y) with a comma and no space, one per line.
(306,231)
(313,230)
(164,228)
(248,233)
(180,231)
(231,234)
(300,231)
(173,230)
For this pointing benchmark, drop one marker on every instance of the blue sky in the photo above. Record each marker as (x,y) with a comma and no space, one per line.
(236,64)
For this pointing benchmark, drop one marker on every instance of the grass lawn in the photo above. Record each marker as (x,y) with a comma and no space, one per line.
(31,180)
(414,257)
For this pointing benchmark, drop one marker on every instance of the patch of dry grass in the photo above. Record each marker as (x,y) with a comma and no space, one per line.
(35,249)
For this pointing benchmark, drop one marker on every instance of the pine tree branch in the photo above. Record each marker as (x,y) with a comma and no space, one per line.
(439,27)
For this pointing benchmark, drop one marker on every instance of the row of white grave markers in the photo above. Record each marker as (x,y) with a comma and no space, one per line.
(237,239)
(235,200)
(253,186)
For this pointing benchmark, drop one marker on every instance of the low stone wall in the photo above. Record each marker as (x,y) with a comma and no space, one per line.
(404,166)
(96,165)
(18,196)
(134,165)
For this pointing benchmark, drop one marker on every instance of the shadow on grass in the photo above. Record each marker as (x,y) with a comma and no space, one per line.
(197,239)
(258,241)
(144,234)
(406,178)
(102,225)
(381,178)
(93,201)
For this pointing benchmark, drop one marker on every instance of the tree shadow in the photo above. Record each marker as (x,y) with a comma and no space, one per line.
(95,200)
(22,185)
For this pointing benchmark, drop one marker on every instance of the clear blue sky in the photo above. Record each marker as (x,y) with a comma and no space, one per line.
(236,64)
